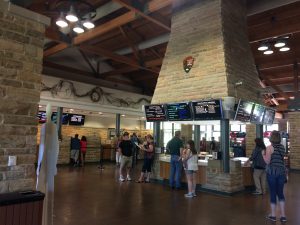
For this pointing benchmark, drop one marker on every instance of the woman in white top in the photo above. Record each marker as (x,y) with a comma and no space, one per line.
(190,163)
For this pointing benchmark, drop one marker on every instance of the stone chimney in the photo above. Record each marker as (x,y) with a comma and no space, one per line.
(214,32)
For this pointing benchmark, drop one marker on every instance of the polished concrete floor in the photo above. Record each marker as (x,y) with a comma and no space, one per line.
(93,197)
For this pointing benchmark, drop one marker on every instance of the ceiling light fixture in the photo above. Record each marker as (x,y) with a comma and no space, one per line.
(71,16)
(61,22)
(78,28)
(268,52)
(284,49)
(280,43)
(263,47)
(72,12)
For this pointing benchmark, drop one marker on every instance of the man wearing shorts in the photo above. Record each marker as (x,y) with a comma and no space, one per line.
(125,148)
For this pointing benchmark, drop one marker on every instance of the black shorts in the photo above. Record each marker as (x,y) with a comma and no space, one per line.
(147,165)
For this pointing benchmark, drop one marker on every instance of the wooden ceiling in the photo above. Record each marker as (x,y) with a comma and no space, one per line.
(132,41)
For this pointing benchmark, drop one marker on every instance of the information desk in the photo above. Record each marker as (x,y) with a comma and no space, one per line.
(201,174)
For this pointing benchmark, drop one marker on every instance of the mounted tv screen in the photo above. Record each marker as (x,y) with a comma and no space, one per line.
(76,119)
(42,117)
(244,111)
(258,114)
(64,119)
(155,113)
(207,110)
(269,116)
(179,112)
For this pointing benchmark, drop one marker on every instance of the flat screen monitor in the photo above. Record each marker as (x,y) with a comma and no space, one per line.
(155,113)
(179,112)
(64,120)
(269,116)
(42,117)
(76,119)
(207,110)
(244,111)
(258,114)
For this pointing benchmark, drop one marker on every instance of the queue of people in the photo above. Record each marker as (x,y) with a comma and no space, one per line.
(267,163)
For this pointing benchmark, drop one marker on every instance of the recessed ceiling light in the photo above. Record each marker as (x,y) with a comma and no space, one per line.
(40,106)
(123,115)
(284,49)
(268,52)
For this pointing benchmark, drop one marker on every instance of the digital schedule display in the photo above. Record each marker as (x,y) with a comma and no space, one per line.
(179,112)
(42,117)
(269,116)
(77,120)
(207,110)
(244,111)
(258,114)
(155,113)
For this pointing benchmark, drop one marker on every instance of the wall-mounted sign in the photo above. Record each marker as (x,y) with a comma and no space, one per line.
(155,113)
(207,110)
(77,120)
(258,114)
(179,112)
(269,116)
(244,111)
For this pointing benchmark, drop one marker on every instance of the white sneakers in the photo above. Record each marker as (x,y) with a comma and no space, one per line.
(128,178)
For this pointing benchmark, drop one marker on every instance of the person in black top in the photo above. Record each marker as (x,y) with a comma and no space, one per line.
(148,148)
(175,147)
(259,166)
(125,148)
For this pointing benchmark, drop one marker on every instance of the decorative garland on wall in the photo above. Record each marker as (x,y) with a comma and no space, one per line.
(97,94)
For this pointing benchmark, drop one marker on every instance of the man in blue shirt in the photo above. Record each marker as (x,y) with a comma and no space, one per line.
(75,148)
(175,147)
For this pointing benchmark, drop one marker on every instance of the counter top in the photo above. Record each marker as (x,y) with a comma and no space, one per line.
(204,162)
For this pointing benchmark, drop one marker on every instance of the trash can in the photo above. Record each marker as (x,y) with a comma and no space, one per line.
(21,208)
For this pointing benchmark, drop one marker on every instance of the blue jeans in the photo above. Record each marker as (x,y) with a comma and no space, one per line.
(276,184)
(176,167)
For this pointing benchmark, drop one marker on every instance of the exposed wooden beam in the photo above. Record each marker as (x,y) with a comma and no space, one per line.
(116,57)
(151,63)
(128,17)
(142,14)
(85,74)
(277,28)
(135,50)
(87,60)
(296,79)
(57,48)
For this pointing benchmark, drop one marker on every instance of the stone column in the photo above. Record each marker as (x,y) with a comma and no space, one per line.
(21,56)
(294,132)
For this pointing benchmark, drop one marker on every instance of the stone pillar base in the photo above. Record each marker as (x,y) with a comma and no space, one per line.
(218,181)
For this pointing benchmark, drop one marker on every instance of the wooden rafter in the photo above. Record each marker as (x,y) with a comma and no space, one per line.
(135,50)
(115,57)
(55,49)
(142,14)
(87,60)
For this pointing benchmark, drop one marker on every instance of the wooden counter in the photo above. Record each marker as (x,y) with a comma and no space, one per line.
(201,174)
(165,173)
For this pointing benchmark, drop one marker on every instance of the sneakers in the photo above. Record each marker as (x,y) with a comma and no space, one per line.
(189,195)
(272,218)
(283,219)
(257,193)
(194,194)
(128,178)
(122,179)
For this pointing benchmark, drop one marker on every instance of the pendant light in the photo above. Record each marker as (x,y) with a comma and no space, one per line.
(263,47)
(88,24)
(285,49)
(78,28)
(280,43)
(71,16)
(268,52)
(61,22)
